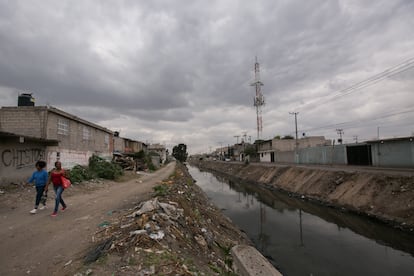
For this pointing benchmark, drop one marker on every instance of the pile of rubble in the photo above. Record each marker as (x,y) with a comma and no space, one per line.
(177,232)
(125,162)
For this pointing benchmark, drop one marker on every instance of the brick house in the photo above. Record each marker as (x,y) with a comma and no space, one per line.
(126,145)
(18,154)
(77,138)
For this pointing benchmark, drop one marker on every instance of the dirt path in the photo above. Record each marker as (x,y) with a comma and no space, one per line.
(42,245)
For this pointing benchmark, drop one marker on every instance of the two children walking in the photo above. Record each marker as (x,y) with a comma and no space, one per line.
(42,180)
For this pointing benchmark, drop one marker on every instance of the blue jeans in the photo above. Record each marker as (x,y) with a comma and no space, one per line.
(59,199)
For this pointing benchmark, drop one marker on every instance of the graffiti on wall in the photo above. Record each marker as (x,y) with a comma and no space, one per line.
(20,158)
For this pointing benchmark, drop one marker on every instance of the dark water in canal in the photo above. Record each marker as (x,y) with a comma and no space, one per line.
(302,238)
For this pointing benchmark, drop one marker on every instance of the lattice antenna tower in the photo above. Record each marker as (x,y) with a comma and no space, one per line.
(258,100)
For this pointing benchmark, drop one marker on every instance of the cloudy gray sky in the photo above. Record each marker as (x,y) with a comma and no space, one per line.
(180,71)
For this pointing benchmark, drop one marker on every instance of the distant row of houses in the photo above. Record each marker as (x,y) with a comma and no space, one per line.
(31,133)
(394,152)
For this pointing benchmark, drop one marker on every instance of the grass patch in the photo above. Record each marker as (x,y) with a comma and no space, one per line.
(161,190)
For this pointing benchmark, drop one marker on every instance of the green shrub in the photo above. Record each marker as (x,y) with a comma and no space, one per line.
(104,169)
(80,173)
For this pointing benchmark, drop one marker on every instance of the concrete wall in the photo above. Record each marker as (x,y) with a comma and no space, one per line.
(398,153)
(119,144)
(285,156)
(264,157)
(17,160)
(24,120)
(69,158)
(311,155)
(323,155)
(283,145)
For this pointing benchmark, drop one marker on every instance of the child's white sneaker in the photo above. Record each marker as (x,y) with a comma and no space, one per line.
(34,211)
(42,207)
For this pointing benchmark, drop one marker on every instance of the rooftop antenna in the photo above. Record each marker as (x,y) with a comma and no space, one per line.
(258,99)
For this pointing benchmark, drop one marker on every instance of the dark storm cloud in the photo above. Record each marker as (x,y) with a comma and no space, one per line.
(181,70)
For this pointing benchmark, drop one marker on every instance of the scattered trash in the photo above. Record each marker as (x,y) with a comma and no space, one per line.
(200,240)
(104,224)
(179,223)
(157,236)
(147,206)
(125,225)
(68,263)
(138,232)
(88,272)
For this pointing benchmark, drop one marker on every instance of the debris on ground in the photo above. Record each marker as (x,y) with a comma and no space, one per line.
(125,162)
(177,232)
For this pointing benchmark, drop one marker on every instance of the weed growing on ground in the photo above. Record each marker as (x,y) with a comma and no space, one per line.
(161,190)
(228,260)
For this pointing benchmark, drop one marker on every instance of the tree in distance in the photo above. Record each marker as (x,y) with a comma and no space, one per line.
(180,152)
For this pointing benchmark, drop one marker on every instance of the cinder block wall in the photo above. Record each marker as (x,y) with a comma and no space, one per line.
(27,120)
(17,160)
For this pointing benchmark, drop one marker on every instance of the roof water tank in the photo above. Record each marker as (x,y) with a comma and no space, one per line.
(25,99)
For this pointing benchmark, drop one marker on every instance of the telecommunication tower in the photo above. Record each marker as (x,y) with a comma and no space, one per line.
(258,99)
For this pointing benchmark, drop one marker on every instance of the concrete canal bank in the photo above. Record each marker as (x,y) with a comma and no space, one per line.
(387,197)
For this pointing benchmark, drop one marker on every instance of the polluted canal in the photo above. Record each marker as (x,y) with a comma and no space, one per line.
(302,238)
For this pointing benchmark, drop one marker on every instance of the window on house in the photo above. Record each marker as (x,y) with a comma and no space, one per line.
(106,139)
(63,127)
(86,133)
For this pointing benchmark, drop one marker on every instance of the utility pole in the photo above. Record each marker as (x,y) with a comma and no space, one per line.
(221,150)
(356,139)
(296,126)
(237,137)
(340,131)
(244,135)
(296,137)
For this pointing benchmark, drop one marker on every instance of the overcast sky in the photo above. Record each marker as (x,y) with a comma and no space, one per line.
(180,71)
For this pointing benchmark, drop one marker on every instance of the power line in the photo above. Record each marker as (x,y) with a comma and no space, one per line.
(343,124)
(394,70)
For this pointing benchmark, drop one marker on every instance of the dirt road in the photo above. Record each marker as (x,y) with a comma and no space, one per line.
(42,245)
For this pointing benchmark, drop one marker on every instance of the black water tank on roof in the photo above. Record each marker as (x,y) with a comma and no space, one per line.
(25,99)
